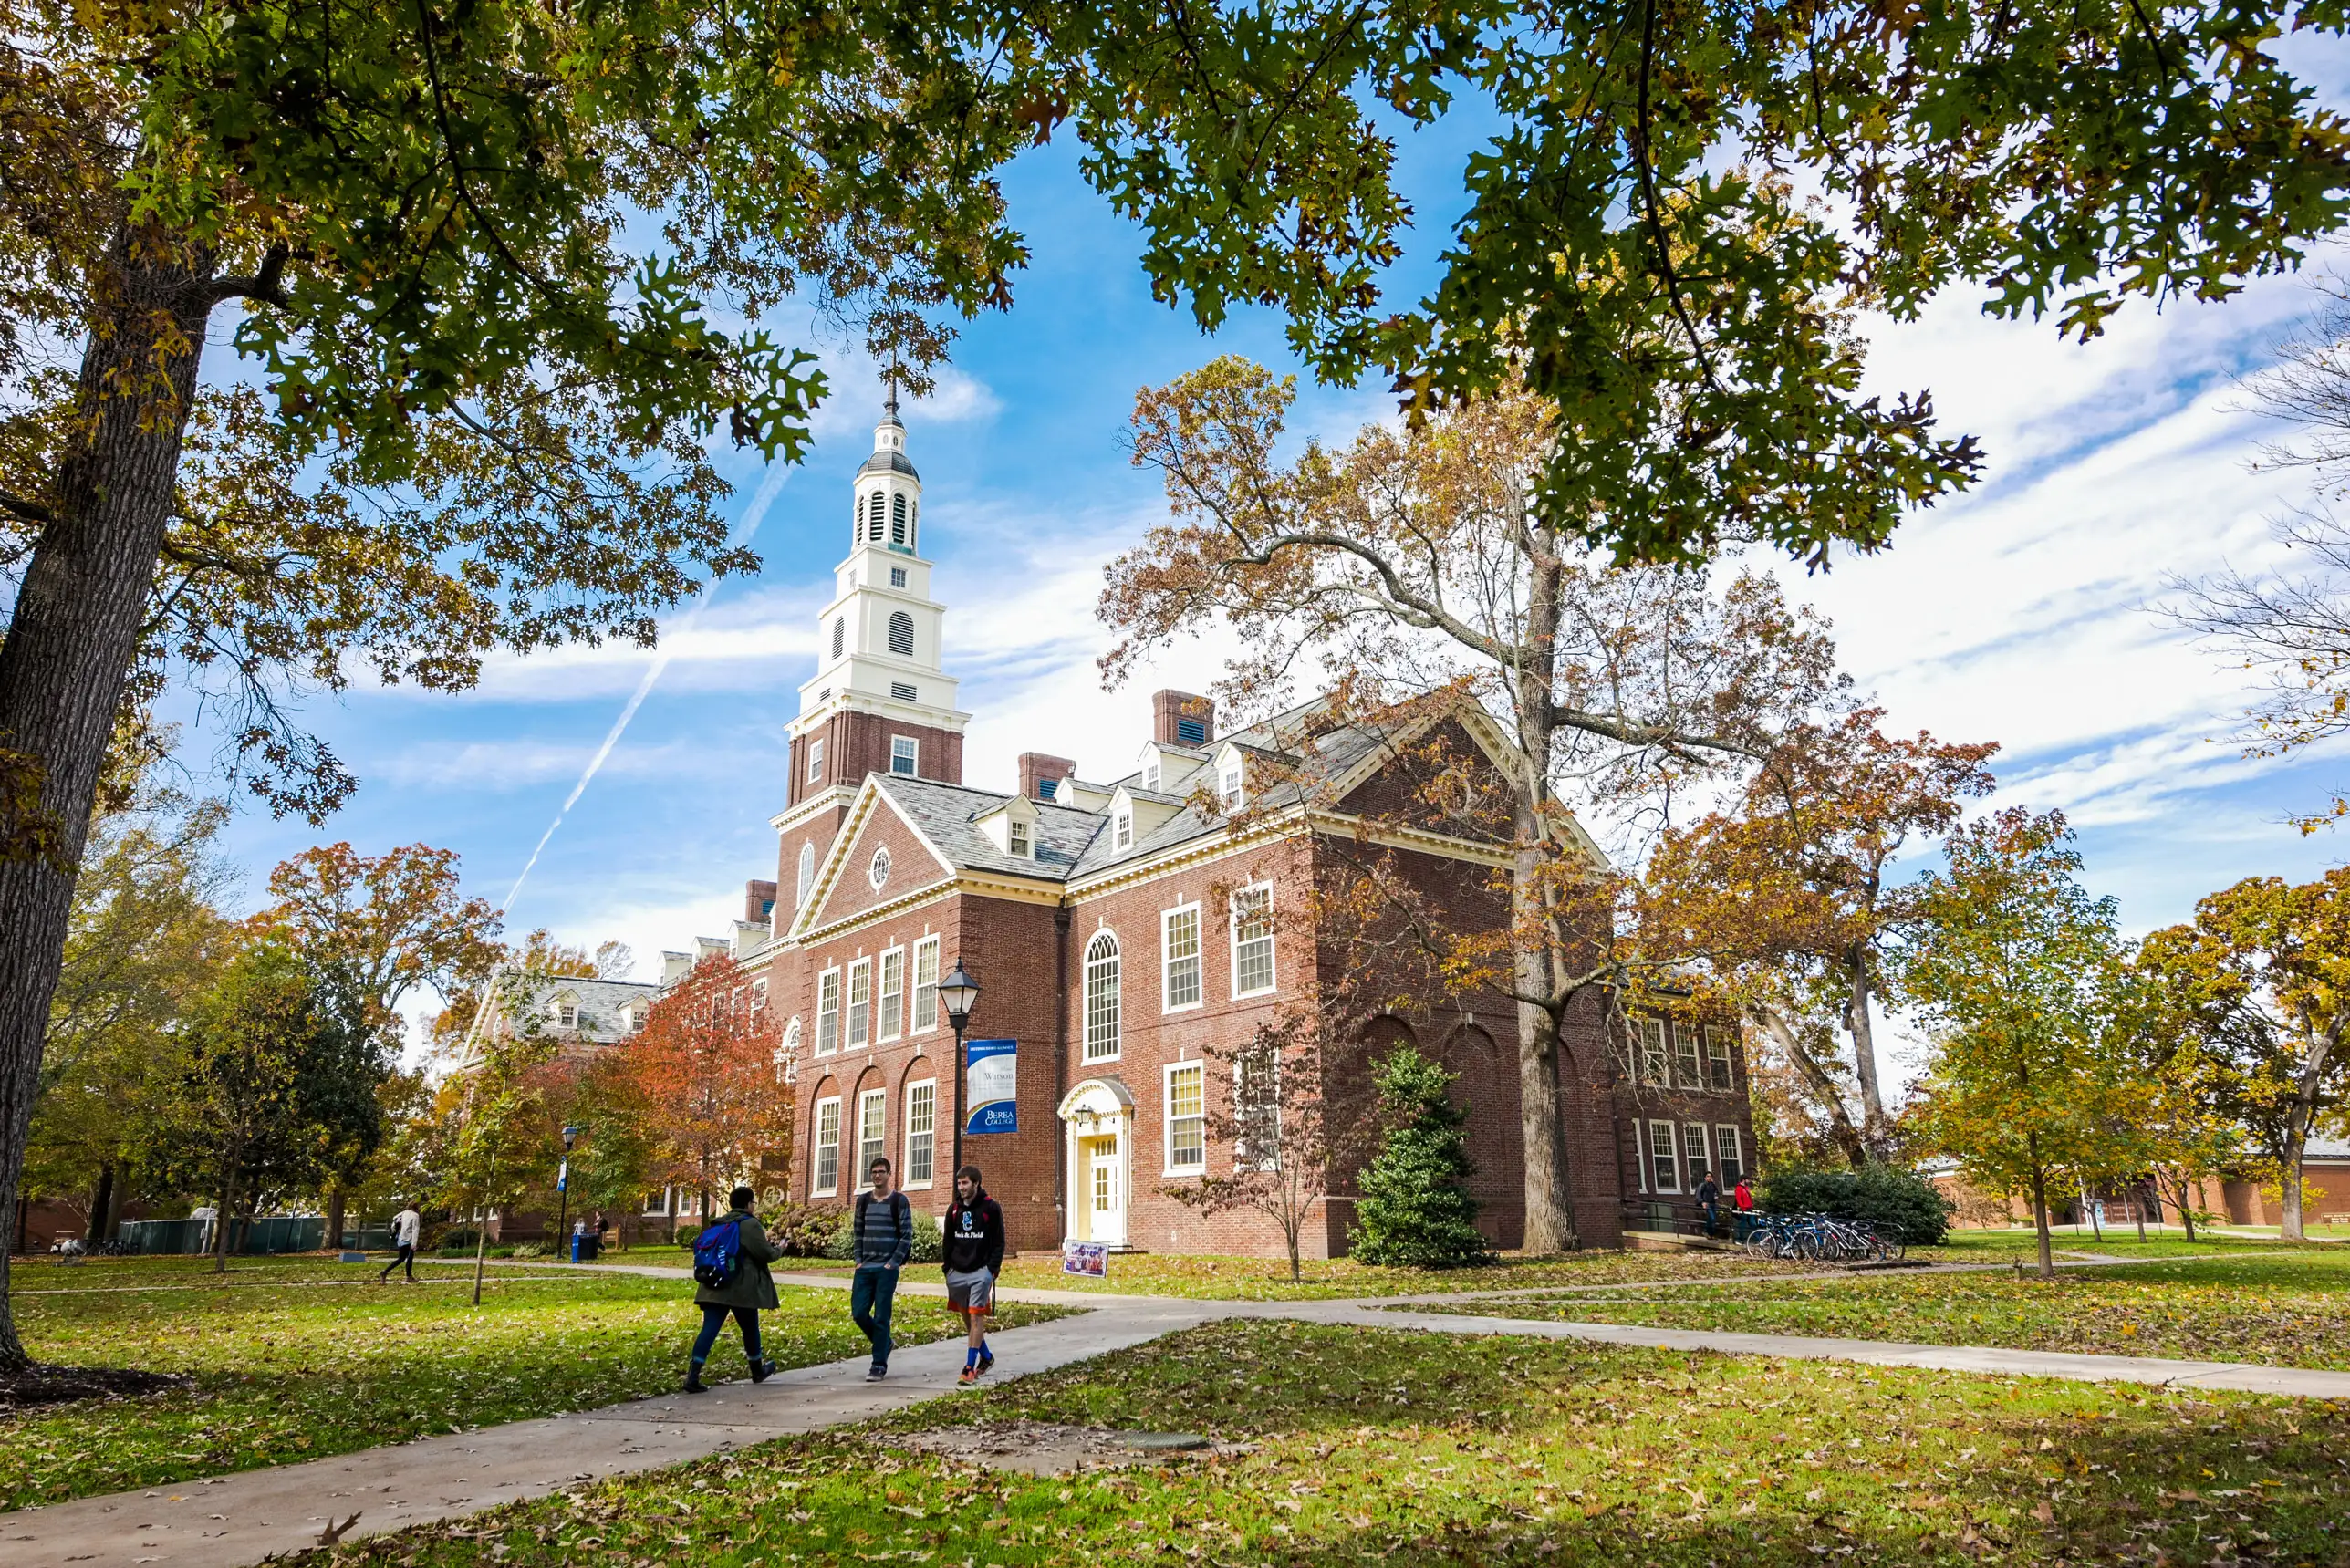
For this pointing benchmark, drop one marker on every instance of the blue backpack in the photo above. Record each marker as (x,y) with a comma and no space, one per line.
(717,1255)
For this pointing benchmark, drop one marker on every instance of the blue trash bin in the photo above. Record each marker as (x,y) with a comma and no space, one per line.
(575,1248)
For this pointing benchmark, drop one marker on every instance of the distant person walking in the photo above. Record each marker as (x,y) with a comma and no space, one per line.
(973,1257)
(884,1235)
(730,1270)
(1708,1197)
(406,1227)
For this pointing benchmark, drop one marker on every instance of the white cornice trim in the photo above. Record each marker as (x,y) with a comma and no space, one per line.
(831,797)
(828,875)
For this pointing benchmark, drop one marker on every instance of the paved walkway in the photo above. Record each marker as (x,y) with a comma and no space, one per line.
(232,1520)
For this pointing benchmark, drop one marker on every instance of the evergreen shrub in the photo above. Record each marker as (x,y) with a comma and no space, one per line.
(1413,1211)
(1894,1200)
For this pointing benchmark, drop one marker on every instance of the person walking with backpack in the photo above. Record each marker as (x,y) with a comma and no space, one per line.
(406,1227)
(730,1272)
(973,1257)
(884,1235)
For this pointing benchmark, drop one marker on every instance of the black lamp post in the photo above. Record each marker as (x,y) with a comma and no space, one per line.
(958,993)
(563,1194)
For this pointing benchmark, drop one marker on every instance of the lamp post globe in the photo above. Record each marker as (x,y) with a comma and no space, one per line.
(958,993)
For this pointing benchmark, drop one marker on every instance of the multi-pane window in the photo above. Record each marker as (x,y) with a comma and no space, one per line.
(1228,786)
(1101,998)
(1122,830)
(897,576)
(926,984)
(827,1013)
(1150,775)
(1729,1153)
(1664,1168)
(1016,835)
(1717,1059)
(1685,1063)
(758,1003)
(1652,1052)
(815,759)
(893,994)
(1252,941)
(872,1124)
(1693,1150)
(1256,1104)
(825,1178)
(905,752)
(1180,941)
(922,1132)
(860,1003)
(1187,1116)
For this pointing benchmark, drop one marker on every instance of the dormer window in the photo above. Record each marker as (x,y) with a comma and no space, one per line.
(1018,837)
(1228,786)
(567,1011)
(1150,774)
(1122,829)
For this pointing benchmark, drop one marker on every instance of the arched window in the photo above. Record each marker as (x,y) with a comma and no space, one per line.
(807,873)
(901,634)
(839,630)
(873,517)
(1101,998)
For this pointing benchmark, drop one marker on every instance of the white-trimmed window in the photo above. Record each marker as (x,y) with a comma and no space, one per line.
(1179,945)
(1687,1070)
(824,1174)
(1101,998)
(922,1132)
(1122,830)
(565,1009)
(1253,940)
(1186,1118)
(1728,1153)
(827,1013)
(1228,786)
(807,873)
(815,759)
(893,994)
(1150,775)
(860,1003)
(872,1133)
(1653,1069)
(1016,836)
(1693,1143)
(897,576)
(758,1003)
(657,1204)
(1717,1059)
(926,984)
(905,755)
(1664,1169)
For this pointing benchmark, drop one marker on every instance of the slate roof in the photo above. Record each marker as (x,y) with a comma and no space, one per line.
(889,463)
(947,816)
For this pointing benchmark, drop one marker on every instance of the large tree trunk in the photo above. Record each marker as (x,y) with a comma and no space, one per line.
(101,1207)
(2289,1220)
(1873,1130)
(75,631)
(1841,1130)
(1549,1194)
(335,1215)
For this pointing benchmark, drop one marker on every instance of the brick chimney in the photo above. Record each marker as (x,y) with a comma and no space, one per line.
(1035,768)
(758,901)
(1180,719)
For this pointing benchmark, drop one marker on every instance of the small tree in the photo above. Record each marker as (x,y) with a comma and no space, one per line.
(2011,967)
(1413,1211)
(703,1070)
(1273,1120)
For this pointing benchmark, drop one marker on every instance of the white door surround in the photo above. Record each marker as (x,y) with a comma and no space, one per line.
(1097,1127)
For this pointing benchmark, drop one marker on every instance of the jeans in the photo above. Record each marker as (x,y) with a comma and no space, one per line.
(1713,1220)
(714,1318)
(407,1259)
(869,1298)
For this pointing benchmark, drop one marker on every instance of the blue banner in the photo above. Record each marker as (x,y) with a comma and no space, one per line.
(990,1078)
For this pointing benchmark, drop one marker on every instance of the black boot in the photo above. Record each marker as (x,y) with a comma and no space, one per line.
(762,1369)
(693,1383)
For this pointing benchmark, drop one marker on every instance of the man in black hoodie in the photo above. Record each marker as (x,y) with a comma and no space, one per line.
(973,1257)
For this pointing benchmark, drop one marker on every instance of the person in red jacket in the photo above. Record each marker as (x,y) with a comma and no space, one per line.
(973,1255)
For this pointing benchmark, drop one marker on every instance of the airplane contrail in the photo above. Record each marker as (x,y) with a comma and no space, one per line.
(752,517)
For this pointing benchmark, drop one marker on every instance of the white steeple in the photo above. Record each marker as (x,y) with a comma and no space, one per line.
(878,646)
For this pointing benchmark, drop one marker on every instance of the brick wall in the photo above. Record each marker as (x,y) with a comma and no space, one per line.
(858,743)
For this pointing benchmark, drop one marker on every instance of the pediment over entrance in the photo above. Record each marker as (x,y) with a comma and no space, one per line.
(1098,1100)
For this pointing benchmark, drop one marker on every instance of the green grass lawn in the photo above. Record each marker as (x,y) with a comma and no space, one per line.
(2284,1307)
(290,1364)
(1412,1450)
(1999,1246)
(1209,1277)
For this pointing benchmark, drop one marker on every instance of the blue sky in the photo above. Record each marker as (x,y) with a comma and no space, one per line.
(2015,614)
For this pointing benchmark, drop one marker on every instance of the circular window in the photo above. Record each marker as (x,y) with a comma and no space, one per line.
(880,870)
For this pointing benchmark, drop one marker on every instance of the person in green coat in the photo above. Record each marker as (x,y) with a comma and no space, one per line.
(749,1288)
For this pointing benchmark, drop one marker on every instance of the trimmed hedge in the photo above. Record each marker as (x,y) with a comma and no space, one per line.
(1897,1202)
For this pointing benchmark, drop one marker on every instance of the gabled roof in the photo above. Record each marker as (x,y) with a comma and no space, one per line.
(948,816)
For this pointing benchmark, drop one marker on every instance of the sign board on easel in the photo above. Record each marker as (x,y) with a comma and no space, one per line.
(1088,1259)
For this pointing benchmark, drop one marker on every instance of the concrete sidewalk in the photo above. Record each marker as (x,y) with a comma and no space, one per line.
(228,1522)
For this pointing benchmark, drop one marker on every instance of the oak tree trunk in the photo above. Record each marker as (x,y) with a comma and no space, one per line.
(1549,1195)
(75,631)
(1874,1132)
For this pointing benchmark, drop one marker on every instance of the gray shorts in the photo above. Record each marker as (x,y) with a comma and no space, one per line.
(971,1293)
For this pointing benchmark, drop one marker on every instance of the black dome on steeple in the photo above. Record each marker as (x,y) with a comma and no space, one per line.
(889,463)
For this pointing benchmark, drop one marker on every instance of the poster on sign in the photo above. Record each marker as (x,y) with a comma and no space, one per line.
(1090,1259)
(991,1077)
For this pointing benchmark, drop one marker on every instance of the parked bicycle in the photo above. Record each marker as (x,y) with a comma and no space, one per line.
(1818,1238)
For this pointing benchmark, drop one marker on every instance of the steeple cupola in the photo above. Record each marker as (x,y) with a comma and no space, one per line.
(888,507)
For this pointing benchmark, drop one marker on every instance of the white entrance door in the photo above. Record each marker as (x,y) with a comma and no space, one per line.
(1101,1189)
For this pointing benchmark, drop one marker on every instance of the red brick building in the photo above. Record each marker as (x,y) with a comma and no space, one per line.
(1120,931)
